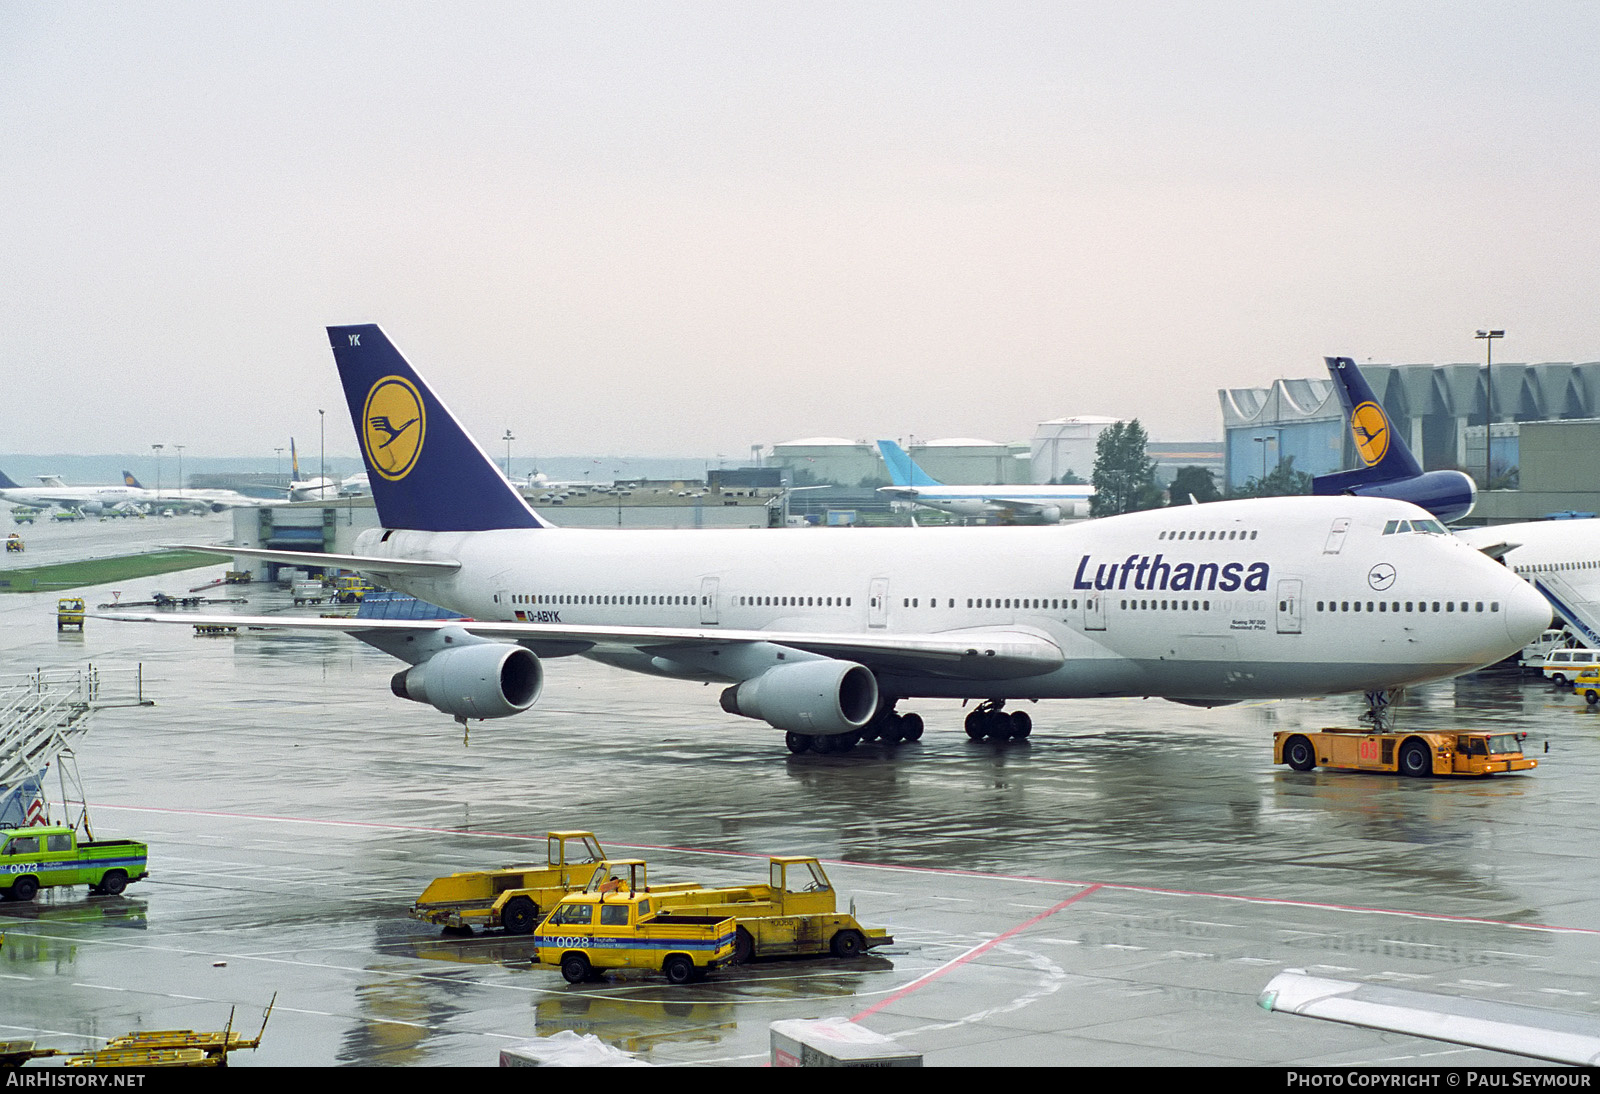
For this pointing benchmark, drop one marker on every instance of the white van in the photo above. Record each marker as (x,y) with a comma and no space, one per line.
(1560,666)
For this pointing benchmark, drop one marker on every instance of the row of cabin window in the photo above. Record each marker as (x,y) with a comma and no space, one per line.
(1551,567)
(1167,605)
(1234,534)
(1421,606)
(1041,603)
(794,601)
(586,598)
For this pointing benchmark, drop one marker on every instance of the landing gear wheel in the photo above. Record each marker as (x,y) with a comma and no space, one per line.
(519,915)
(847,944)
(893,731)
(678,969)
(975,726)
(911,727)
(1415,759)
(797,742)
(575,968)
(1021,725)
(998,723)
(1298,753)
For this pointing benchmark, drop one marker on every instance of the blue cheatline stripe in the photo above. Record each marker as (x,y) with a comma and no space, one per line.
(584,942)
(71,864)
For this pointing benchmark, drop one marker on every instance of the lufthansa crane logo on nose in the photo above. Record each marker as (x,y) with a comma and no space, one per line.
(1381,576)
(392,425)
(1370,428)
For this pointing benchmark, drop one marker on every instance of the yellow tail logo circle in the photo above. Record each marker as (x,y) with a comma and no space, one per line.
(1370,428)
(392,425)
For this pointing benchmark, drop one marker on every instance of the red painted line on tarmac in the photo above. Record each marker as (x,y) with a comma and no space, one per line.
(1286,902)
(950,966)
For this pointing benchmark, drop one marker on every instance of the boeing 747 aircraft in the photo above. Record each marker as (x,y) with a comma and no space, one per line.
(823,634)
(1047,504)
(1561,558)
(52,491)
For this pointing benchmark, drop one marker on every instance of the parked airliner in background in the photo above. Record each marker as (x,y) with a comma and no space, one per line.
(822,634)
(1559,557)
(197,498)
(1047,504)
(89,499)
(1388,470)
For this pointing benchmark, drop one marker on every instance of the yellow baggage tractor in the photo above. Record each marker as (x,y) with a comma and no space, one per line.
(512,897)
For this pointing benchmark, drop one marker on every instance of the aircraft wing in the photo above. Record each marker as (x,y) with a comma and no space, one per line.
(1559,1036)
(996,653)
(367,563)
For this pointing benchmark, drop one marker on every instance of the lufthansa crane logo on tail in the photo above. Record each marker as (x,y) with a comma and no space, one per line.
(1370,428)
(392,425)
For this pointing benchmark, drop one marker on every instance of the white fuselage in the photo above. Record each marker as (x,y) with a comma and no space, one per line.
(1064,502)
(75,497)
(1217,602)
(1564,555)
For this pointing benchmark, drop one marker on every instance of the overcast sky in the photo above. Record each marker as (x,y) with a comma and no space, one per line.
(689,228)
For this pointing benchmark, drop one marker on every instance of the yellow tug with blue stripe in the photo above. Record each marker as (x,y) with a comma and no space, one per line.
(589,933)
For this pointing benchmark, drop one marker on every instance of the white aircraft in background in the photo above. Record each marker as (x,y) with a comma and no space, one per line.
(1046,504)
(201,499)
(89,499)
(1561,558)
(321,488)
(822,635)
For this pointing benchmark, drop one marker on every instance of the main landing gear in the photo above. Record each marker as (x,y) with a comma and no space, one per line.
(989,719)
(886,726)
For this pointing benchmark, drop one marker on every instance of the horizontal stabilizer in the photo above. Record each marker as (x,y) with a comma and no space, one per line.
(1565,1038)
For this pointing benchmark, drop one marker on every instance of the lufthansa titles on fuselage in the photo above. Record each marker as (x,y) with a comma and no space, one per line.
(1159,575)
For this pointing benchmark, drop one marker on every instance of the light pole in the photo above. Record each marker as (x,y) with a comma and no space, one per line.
(322,458)
(179,447)
(508,438)
(157,449)
(1488,337)
(1262,441)
(278,467)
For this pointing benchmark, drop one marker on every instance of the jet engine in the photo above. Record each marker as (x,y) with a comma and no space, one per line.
(1051,514)
(486,680)
(817,698)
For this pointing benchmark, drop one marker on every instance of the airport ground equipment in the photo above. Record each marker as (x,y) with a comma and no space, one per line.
(44,856)
(14,544)
(69,613)
(24,514)
(1587,684)
(41,714)
(1562,666)
(147,1048)
(795,912)
(309,592)
(1415,753)
(513,897)
(351,588)
(589,933)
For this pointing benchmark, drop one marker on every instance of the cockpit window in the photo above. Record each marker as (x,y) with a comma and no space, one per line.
(1398,527)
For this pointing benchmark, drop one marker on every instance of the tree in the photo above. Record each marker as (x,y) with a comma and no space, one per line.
(1196,482)
(1283,480)
(1124,475)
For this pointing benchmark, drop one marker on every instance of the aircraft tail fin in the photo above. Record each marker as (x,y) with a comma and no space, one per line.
(6,483)
(1388,467)
(425,470)
(129,480)
(1384,454)
(903,470)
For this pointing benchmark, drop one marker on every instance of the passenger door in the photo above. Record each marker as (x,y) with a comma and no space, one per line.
(1289,605)
(878,602)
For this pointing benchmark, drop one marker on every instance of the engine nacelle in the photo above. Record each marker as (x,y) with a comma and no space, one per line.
(817,698)
(486,680)
(1050,514)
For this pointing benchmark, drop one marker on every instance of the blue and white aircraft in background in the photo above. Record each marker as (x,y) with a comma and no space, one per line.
(89,499)
(1388,470)
(1561,558)
(822,634)
(1045,504)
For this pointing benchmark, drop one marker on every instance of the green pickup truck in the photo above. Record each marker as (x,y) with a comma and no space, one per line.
(33,858)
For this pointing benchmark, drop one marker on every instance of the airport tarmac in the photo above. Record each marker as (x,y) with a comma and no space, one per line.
(1115,891)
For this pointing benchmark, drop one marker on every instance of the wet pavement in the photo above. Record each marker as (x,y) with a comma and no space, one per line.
(1116,890)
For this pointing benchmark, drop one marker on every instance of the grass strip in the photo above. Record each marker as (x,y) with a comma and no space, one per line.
(99,571)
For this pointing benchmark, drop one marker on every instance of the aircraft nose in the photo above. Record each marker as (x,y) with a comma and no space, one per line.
(1527,613)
